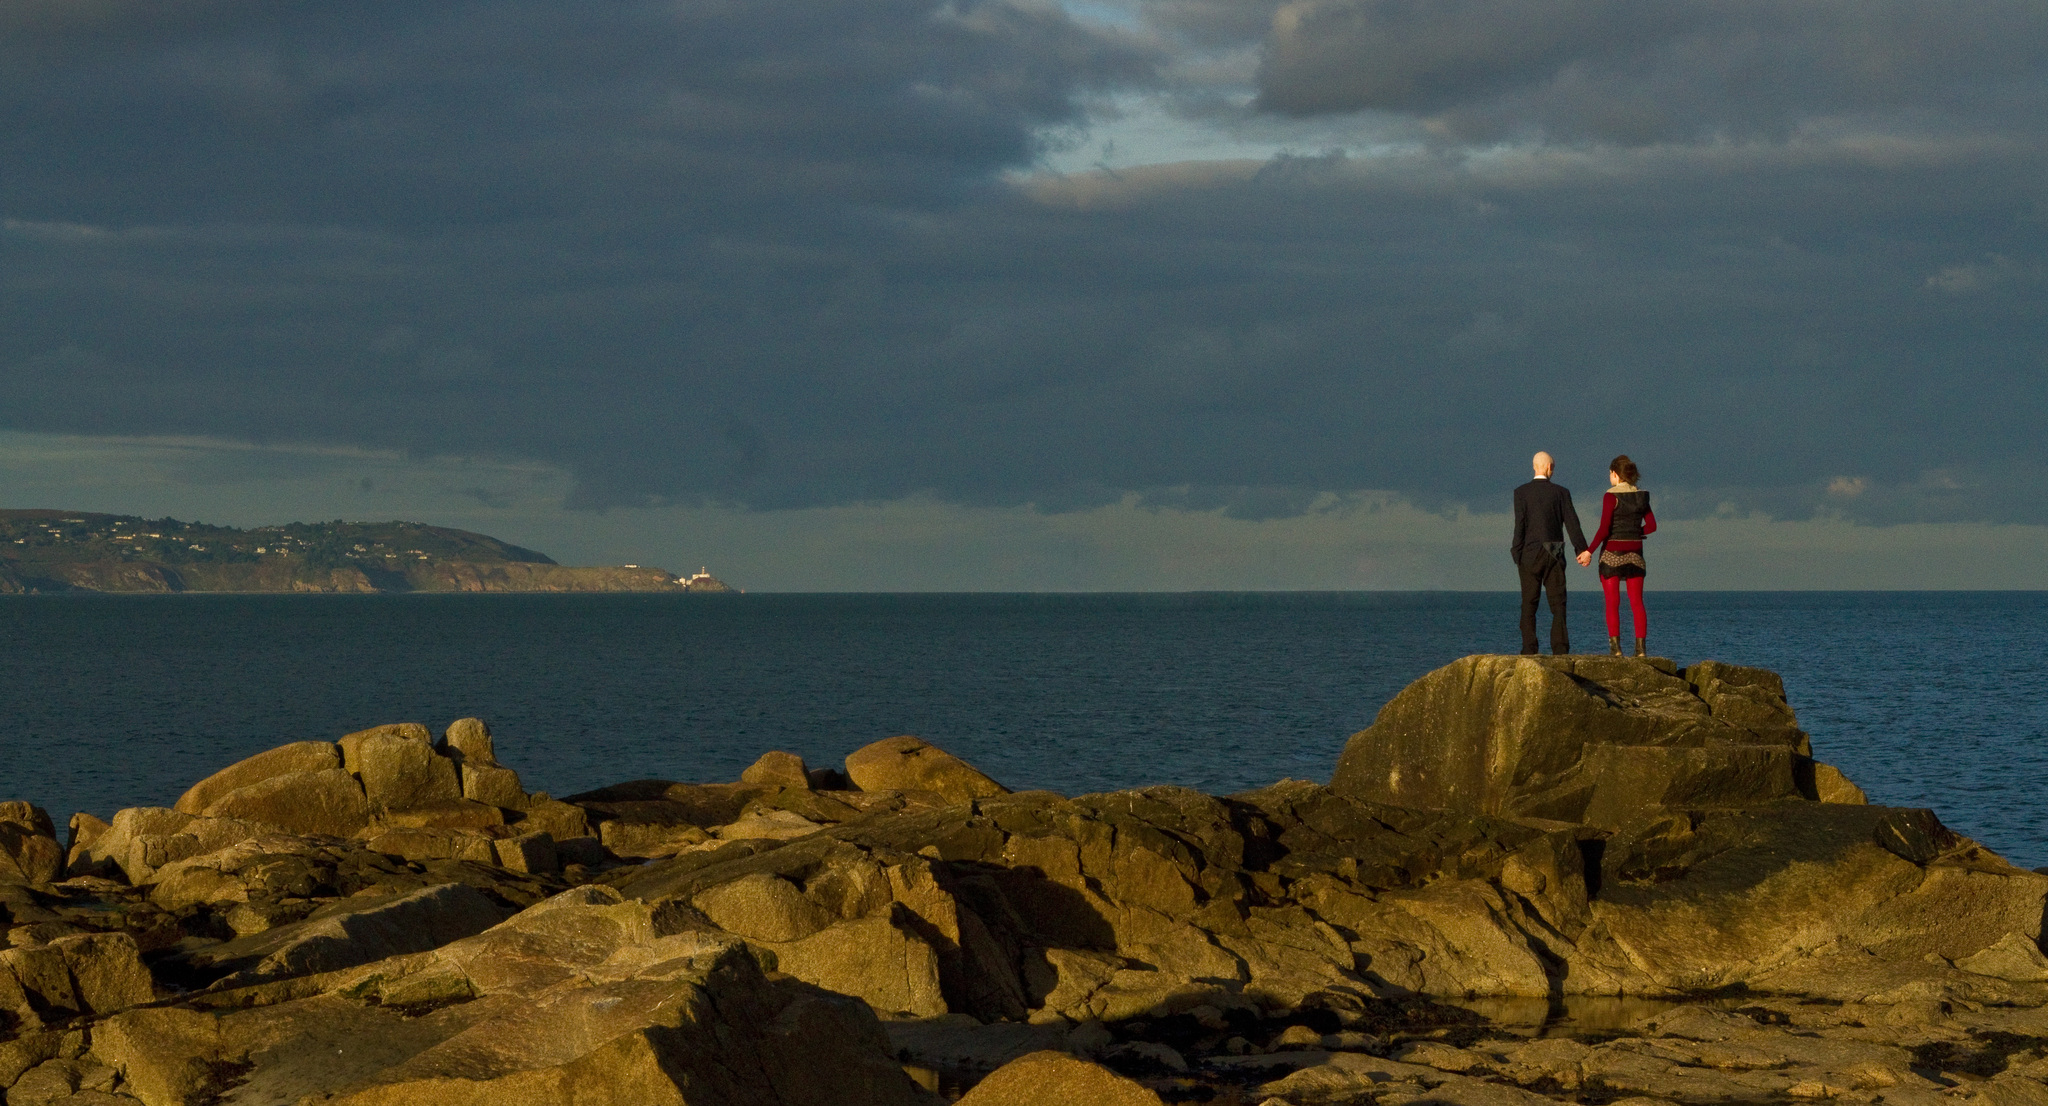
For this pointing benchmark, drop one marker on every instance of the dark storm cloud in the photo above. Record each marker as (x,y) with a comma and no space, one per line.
(761,252)
(1621,71)
(465,112)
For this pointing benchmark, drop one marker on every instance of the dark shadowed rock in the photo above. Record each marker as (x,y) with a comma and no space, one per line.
(630,791)
(650,818)
(1915,835)
(527,852)
(455,814)
(29,817)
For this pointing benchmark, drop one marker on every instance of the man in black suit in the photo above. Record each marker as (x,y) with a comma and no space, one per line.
(1543,514)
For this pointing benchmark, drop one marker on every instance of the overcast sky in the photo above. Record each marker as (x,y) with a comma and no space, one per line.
(905,294)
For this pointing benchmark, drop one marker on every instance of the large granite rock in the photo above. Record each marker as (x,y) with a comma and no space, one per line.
(142,840)
(328,801)
(355,930)
(883,961)
(469,745)
(702,1025)
(912,764)
(299,756)
(29,852)
(582,999)
(558,819)
(494,784)
(1580,739)
(1700,900)
(407,731)
(1057,1079)
(871,922)
(644,819)
(83,974)
(468,741)
(400,773)
(778,769)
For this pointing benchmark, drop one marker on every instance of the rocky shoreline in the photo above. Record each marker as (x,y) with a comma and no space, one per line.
(1532,880)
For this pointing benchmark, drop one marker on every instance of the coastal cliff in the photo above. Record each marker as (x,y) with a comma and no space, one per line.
(56,551)
(1530,881)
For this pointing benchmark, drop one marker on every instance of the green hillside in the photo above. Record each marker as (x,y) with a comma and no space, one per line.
(33,537)
(43,551)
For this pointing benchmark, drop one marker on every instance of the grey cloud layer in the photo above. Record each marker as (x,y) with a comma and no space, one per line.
(760,252)
(1615,70)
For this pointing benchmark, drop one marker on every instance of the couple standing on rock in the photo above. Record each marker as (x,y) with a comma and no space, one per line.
(1544,513)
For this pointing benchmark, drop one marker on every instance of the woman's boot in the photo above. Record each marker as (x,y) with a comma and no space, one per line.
(1640,651)
(1614,646)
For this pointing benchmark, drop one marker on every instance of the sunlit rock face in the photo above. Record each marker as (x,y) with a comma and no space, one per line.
(1580,739)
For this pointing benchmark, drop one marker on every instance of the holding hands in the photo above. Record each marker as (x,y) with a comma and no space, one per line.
(1585,558)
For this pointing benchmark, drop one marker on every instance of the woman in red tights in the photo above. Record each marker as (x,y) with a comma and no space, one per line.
(1625,520)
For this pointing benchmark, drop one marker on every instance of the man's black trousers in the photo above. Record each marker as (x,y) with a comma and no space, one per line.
(1543,570)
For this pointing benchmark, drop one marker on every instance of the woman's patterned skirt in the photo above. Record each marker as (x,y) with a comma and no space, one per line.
(1627,566)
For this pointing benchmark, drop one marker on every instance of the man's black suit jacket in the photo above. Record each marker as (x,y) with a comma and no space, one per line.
(1543,513)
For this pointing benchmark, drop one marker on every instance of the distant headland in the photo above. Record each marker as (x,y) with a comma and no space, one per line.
(59,551)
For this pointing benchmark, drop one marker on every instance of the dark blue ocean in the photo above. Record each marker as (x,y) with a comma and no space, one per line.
(1925,699)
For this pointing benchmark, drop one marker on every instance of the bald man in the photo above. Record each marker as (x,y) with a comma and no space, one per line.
(1543,515)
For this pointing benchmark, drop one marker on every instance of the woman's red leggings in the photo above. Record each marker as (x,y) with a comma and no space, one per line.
(1612,586)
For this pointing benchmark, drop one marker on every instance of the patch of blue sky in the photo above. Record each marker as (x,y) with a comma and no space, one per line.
(1139,129)
(1104,13)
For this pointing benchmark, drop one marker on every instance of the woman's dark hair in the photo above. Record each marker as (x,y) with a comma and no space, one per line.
(1623,467)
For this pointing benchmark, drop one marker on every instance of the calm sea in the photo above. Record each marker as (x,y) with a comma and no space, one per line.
(1926,699)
